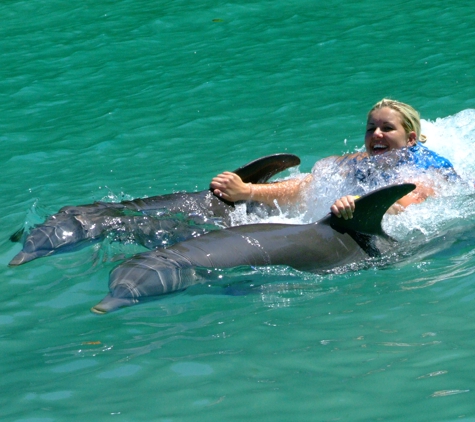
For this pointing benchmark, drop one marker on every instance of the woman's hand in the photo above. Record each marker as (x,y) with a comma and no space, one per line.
(230,187)
(344,207)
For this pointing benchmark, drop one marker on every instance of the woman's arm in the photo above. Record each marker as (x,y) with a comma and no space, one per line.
(418,195)
(345,206)
(230,187)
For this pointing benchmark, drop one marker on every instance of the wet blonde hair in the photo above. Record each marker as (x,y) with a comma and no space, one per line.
(411,120)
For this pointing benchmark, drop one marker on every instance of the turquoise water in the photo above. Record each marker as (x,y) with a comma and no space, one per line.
(124,99)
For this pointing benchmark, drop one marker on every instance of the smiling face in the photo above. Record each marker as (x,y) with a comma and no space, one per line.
(385,132)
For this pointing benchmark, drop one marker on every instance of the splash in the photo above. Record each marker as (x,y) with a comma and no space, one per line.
(453,209)
(452,137)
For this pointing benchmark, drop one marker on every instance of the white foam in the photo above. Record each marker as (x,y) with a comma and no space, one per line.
(452,137)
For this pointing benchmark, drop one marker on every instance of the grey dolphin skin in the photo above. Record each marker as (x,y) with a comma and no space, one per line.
(150,222)
(318,247)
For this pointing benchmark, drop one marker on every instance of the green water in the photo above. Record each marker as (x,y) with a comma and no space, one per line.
(121,99)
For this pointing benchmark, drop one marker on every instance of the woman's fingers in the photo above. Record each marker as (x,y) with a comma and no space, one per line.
(229,186)
(344,207)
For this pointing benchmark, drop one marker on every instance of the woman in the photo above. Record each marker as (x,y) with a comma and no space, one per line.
(392,131)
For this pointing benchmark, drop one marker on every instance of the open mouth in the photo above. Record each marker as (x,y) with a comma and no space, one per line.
(379,149)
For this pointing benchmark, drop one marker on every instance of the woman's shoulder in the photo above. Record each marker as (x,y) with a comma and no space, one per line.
(339,166)
(339,161)
(355,157)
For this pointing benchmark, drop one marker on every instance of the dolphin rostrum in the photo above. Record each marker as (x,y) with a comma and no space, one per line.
(150,222)
(318,247)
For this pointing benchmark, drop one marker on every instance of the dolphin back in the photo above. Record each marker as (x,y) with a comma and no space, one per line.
(319,247)
(75,226)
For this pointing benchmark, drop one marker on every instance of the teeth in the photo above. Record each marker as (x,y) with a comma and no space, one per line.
(379,147)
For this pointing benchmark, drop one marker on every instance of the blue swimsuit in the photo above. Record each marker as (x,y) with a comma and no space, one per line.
(418,156)
(422,157)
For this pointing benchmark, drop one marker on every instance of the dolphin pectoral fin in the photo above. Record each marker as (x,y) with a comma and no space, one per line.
(262,169)
(111,303)
(16,237)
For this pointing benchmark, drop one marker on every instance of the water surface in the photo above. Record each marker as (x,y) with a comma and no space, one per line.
(123,99)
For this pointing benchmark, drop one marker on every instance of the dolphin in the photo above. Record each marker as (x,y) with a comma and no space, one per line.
(317,247)
(151,222)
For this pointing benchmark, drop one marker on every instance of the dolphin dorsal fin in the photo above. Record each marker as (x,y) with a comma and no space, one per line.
(262,169)
(370,210)
(365,226)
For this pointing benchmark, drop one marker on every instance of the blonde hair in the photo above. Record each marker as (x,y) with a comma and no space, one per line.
(411,120)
